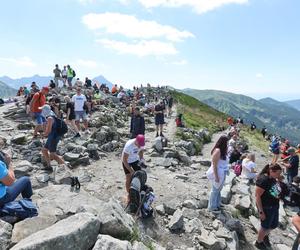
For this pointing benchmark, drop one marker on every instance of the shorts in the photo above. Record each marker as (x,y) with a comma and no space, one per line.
(70,80)
(272,218)
(39,118)
(134,165)
(159,119)
(51,144)
(80,115)
(276,151)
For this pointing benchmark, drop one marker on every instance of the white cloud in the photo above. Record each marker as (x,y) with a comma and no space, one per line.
(24,61)
(200,6)
(87,63)
(131,27)
(259,75)
(140,48)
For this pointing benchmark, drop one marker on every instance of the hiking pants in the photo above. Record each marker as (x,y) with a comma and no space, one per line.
(21,186)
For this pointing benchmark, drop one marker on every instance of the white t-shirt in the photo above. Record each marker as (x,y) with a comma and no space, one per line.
(132,150)
(78,102)
(247,168)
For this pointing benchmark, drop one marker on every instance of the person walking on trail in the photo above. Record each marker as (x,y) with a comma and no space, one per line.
(137,124)
(79,100)
(38,100)
(70,75)
(264,131)
(159,118)
(267,193)
(132,155)
(57,75)
(217,173)
(170,105)
(50,147)
(70,119)
(292,164)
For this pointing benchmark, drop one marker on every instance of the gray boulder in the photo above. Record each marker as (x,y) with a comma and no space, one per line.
(157,144)
(23,168)
(109,243)
(19,139)
(176,222)
(5,235)
(193,226)
(76,232)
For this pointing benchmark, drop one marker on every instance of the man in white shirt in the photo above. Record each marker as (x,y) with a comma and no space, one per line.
(79,101)
(132,154)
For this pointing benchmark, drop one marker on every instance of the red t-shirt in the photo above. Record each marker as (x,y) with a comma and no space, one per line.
(38,100)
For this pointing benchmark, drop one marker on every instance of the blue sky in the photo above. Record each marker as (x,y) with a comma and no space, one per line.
(243,46)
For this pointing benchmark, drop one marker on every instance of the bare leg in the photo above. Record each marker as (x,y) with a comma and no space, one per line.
(85,123)
(46,156)
(77,125)
(262,233)
(73,125)
(57,158)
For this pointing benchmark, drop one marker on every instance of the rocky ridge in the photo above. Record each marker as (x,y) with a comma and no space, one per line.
(96,213)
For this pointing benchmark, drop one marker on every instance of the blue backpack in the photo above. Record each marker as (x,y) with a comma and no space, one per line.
(21,209)
(274,146)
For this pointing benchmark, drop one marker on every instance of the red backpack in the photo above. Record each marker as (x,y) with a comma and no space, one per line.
(237,169)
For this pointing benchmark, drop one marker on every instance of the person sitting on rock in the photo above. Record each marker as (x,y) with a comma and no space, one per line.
(292,164)
(137,124)
(49,149)
(10,188)
(132,154)
(179,122)
(249,167)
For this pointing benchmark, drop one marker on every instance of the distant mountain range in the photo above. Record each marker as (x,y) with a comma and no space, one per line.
(294,103)
(6,91)
(42,81)
(278,117)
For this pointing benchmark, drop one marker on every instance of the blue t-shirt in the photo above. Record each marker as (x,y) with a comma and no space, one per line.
(3,173)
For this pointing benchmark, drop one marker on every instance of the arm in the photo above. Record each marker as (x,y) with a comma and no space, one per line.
(215,159)
(141,154)
(258,193)
(296,222)
(9,178)
(125,162)
(48,127)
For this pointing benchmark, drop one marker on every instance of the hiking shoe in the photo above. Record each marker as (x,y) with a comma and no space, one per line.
(267,241)
(215,211)
(157,135)
(161,134)
(260,245)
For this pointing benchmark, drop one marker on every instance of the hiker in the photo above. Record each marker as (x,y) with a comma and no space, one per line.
(78,83)
(89,101)
(34,88)
(249,167)
(179,122)
(10,188)
(284,148)
(79,104)
(217,173)
(64,75)
(114,90)
(70,75)
(275,149)
(97,97)
(55,106)
(70,119)
(159,118)
(170,105)
(132,154)
(88,83)
(137,124)
(252,126)
(292,165)
(294,188)
(264,131)
(267,201)
(296,223)
(26,92)
(230,121)
(50,147)
(38,100)
(57,75)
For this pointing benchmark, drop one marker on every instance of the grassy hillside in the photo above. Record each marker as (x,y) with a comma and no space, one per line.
(6,91)
(294,103)
(198,115)
(277,116)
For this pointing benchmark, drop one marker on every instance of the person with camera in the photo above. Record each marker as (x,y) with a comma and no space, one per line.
(10,188)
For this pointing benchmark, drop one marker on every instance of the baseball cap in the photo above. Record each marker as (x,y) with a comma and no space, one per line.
(46,89)
(140,140)
(291,150)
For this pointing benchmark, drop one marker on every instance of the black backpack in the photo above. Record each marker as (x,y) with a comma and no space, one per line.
(61,126)
(74,74)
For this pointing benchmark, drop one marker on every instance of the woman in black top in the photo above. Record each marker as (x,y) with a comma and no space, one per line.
(268,193)
(70,120)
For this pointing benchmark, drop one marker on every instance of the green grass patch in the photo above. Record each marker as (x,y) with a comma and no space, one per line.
(255,138)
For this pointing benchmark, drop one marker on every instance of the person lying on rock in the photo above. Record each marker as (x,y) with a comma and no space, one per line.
(132,154)
(49,149)
(10,189)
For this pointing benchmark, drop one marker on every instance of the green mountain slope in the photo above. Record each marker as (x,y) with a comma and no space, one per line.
(6,91)
(294,103)
(278,117)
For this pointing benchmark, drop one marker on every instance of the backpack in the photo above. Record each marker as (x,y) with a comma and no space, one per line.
(237,169)
(21,209)
(61,126)
(74,73)
(146,208)
(274,146)
(164,142)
